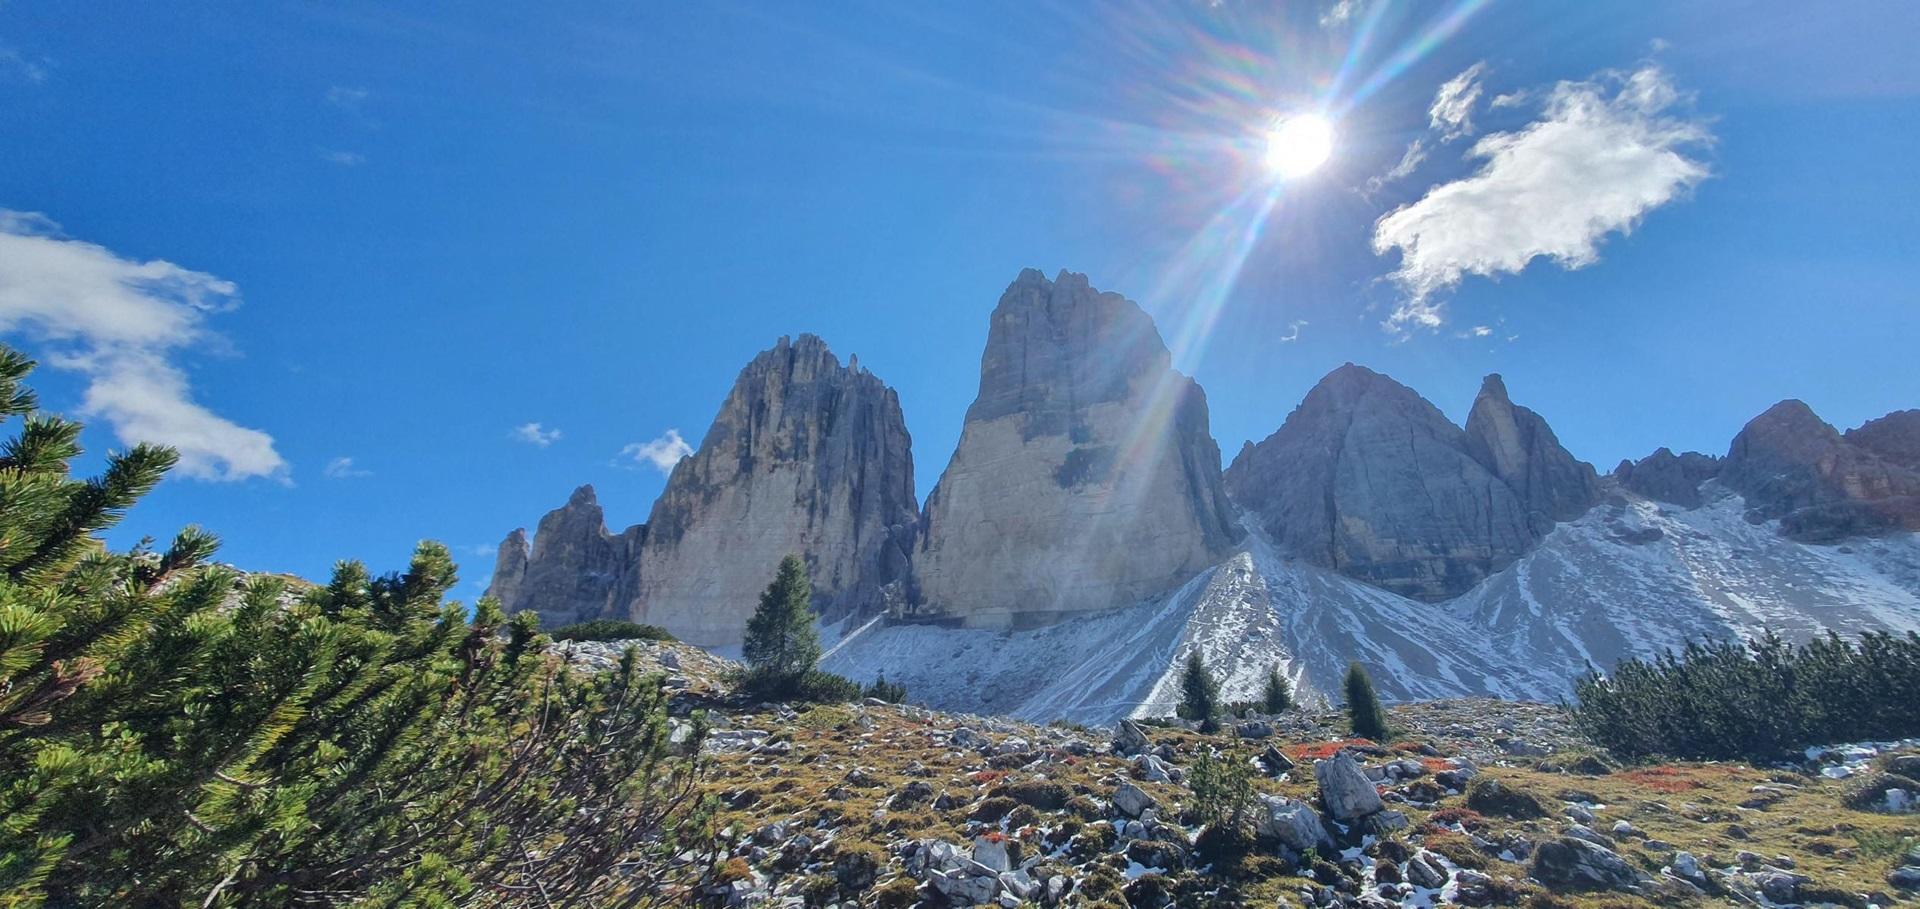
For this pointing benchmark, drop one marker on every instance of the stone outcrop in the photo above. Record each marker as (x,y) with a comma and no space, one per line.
(1370,479)
(1086,476)
(806,456)
(1895,438)
(1791,465)
(1519,448)
(573,571)
(1668,477)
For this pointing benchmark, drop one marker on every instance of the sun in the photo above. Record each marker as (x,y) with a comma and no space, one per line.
(1299,144)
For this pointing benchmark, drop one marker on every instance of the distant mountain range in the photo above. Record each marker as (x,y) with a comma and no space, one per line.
(1084,538)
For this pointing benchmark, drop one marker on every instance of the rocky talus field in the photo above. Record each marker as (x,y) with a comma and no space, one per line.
(1474,802)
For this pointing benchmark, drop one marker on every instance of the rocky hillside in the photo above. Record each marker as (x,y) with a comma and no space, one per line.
(1086,475)
(1475,803)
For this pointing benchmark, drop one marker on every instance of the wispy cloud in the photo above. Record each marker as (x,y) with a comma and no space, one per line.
(121,322)
(1602,154)
(1415,154)
(1293,330)
(342,158)
(535,434)
(343,469)
(1451,114)
(661,453)
(20,66)
(346,97)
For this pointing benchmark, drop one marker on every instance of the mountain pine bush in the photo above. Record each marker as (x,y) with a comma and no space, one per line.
(173,733)
(1757,700)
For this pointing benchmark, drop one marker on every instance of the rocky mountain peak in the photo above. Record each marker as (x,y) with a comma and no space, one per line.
(1667,477)
(1518,447)
(1086,476)
(1369,478)
(1790,464)
(805,456)
(1894,437)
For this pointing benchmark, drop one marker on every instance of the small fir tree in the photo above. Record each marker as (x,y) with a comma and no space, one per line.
(1363,706)
(881,689)
(781,645)
(1199,694)
(1277,697)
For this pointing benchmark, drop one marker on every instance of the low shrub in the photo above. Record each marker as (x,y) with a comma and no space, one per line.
(1759,700)
(610,630)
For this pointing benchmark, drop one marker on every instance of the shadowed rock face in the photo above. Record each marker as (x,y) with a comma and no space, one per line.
(1667,477)
(1519,448)
(1791,465)
(806,456)
(1370,479)
(1086,476)
(573,571)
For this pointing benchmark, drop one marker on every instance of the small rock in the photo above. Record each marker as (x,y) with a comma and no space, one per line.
(1132,800)
(1254,729)
(1426,870)
(1129,739)
(1906,877)
(1345,789)
(1576,862)
(992,853)
(1274,761)
(1151,769)
(1292,823)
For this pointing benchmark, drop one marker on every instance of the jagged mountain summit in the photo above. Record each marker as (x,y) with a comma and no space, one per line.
(1086,476)
(1083,539)
(1368,478)
(805,456)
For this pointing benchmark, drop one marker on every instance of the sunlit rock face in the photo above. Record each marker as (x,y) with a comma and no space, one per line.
(1791,465)
(574,570)
(1519,448)
(806,457)
(1086,476)
(1368,478)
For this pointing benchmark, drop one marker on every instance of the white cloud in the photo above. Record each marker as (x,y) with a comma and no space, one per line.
(662,453)
(1602,154)
(343,469)
(120,322)
(346,96)
(1293,330)
(535,434)
(1341,12)
(342,158)
(1451,114)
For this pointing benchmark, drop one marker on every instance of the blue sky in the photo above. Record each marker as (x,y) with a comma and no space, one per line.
(343,253)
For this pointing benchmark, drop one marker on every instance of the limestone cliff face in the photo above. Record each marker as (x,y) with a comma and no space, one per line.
(1370,479)
(806,456)
(1668,477)
(573,571)
(1895,438)
(1086,476)
(1519,448)
(1792,465)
